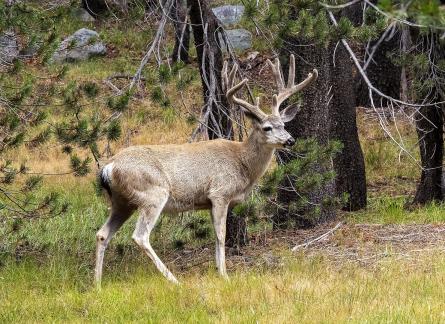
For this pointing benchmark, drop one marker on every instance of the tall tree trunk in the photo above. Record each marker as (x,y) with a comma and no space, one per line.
(430,120)
(313,121)
(210,58)
(326,119)
(430,132)
(182,32)
(349,164)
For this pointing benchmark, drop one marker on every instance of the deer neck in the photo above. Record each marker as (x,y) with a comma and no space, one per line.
(256,156)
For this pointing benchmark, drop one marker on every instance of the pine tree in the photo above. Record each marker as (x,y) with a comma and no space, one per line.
(22,119)
(25,105)
(305,174)
(328,109)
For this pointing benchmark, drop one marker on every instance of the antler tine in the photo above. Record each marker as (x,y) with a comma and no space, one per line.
(311,77)
(231,88)
(291,76)
(275,106)
(276,71)
(230,94)
(291,88)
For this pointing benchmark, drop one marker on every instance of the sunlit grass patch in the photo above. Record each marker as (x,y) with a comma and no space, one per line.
(305,290)
(385,159)
(387,210)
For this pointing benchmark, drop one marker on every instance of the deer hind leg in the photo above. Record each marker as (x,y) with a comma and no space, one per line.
(117,218)
(150,211)
(219,217)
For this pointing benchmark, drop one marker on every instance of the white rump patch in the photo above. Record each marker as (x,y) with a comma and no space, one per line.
(106,172)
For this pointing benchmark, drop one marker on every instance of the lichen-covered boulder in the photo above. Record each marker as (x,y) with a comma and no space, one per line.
(9,49)
(229,15)
(239,39)
(80,46)
(82,15)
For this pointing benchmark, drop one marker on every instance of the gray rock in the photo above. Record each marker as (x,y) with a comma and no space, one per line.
(80,46)
(82,15)
(9,49)
(239,39)
(229,15)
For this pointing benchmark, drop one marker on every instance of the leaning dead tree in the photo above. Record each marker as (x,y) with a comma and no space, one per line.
(216,121)
(216,118)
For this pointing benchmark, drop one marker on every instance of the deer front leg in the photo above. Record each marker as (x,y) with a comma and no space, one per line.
(219,217)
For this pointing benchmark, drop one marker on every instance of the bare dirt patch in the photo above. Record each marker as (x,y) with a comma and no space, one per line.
(362,244)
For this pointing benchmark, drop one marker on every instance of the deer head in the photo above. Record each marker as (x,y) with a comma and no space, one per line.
(268,128)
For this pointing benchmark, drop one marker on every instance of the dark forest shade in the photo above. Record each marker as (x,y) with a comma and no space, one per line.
(208,50)
(383,74)
(381,71)
(95,7)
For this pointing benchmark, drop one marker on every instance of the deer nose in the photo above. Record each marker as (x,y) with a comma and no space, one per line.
(290,141)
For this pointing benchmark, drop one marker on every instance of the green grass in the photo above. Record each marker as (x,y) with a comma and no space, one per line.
(46,265)
(304,290)
(74,232)
(55,284)
(394,210)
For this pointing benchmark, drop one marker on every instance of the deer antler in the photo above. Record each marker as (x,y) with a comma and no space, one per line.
(230,88)
(283,91)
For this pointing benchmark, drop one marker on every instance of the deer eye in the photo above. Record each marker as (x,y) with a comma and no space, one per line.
(267,129)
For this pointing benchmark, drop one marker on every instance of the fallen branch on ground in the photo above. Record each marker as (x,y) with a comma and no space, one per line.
(332,230)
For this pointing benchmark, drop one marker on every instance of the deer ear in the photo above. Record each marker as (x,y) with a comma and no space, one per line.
(289,113)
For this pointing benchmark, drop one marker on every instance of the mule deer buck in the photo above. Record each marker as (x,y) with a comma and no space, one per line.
(215,174)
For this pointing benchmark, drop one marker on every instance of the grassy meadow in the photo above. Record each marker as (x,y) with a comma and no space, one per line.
(46,265)
(302,290)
